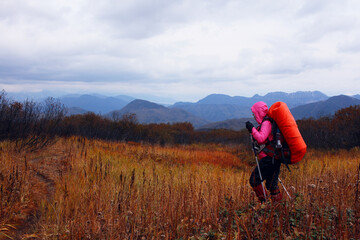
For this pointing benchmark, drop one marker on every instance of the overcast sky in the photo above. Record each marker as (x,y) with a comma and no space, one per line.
(183,49)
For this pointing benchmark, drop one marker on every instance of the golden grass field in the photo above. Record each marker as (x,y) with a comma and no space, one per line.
(90,189)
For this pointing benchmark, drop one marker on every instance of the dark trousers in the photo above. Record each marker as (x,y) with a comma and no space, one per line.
(269,171)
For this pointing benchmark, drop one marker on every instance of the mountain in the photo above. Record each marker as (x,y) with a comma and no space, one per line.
(125,98)
(158,99)
(219,107)
(215,112)
(233,124)
(149,112)
(224,99)
(139,104)
(314,110)
(74,111)
(357,96)
(96,104)
(324,108)
(291,99)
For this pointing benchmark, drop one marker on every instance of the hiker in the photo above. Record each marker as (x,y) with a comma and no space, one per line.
(269,167)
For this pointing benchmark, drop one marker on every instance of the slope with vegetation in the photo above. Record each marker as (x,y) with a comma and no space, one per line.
(33,125)
(88,177)
(93,189)
(324,108)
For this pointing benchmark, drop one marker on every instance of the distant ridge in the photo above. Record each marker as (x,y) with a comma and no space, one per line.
(291,99)
(312,110)
(294,99)
(224,99)
(220,107)
(75,110)
(216,112)
(232,124)
(139,104)
(149,112)
(324,108)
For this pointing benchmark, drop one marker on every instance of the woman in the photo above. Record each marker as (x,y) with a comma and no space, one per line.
(269,167)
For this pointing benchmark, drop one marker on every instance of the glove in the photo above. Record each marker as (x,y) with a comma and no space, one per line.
(249,126)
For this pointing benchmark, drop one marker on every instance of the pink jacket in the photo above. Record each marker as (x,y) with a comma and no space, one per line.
(260,110)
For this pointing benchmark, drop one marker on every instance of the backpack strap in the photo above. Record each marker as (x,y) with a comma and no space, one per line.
(267,118)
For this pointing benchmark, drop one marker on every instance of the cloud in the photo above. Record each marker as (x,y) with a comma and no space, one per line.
(350,43)
(193,46)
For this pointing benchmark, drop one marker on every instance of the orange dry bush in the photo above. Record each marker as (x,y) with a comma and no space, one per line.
(89,189)
(16,193)
(26,181)
(119,190)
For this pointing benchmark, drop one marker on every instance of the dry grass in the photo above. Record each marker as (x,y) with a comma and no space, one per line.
(87,189)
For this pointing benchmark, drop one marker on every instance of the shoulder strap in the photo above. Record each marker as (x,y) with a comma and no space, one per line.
(266,118)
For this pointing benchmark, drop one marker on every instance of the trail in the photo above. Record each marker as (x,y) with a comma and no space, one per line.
(45,170)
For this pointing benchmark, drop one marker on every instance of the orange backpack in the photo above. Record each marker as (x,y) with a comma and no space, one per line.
(286,123)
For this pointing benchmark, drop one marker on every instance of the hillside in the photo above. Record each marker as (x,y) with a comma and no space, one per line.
(324,108)
(148,112)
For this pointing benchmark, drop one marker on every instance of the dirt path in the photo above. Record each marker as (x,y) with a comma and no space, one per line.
(44,171)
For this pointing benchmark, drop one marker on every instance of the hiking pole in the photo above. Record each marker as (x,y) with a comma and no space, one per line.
(257,163)
(284,188)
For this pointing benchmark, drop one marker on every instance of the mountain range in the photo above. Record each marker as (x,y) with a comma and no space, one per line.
(311,110)
(213,111)
(148,112)
(291,99)
(219,107)
(324,108)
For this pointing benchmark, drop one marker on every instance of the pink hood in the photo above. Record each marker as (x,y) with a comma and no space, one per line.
(260,110)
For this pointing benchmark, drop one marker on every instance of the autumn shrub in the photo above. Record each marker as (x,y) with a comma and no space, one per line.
(119,190)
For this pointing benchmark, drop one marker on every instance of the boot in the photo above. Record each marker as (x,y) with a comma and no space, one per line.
(276,195)
(259,191)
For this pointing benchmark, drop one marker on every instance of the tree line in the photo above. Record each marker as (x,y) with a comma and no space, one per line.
(31,125)
(35,125)
(127,128)
(339,131)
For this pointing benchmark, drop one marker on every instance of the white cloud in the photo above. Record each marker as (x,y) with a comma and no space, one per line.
(196,47)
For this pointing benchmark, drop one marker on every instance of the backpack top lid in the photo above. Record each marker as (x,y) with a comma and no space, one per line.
(281,114)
